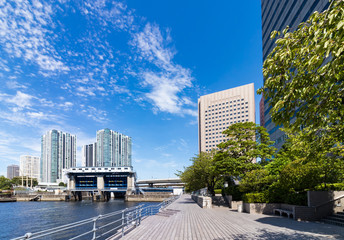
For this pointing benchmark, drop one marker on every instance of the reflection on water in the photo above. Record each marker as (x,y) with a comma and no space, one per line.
(18,218)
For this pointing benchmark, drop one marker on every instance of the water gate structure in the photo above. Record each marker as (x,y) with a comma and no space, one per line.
(100,182)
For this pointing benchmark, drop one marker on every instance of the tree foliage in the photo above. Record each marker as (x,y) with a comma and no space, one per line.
(5,183)
(304,74)
(256,181)
(202,173)
(247,142)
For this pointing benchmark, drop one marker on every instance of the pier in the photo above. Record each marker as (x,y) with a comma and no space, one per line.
(184,219)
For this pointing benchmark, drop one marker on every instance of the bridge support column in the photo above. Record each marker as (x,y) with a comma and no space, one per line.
(130,183)
(71,183)
(100,183)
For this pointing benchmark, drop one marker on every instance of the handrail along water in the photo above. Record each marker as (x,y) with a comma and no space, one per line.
(103,225)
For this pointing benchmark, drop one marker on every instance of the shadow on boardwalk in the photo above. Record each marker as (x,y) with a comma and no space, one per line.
(316,228)
(191,222)
(264,234)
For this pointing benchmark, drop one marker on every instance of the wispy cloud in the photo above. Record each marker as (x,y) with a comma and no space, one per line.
(15,85)
(24,33)
(107,13)
(168,82)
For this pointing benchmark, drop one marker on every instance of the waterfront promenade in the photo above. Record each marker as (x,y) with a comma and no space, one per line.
(184,219)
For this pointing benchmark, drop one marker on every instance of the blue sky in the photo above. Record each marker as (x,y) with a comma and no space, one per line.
(136,67)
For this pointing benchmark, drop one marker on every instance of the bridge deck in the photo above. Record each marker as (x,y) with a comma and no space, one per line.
(184,219)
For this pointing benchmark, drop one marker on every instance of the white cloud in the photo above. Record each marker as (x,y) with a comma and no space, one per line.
(84,91)
(15,85)
(95,114)
(167,84)
(24,34)
(21,100)
(111,13)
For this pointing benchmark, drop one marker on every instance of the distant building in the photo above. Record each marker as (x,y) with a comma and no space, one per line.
(30,166)
(12,171)
(113,149)
(89,155)
(276,15)
(217,111)
(58,151)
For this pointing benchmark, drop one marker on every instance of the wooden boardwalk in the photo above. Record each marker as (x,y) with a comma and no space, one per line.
(184,219)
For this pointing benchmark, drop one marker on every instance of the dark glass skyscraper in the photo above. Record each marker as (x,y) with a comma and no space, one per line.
(276,15)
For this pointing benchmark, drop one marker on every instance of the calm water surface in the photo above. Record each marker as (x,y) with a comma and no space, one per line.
(18,218)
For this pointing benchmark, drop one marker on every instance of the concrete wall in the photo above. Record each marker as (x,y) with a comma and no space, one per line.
(260,208)
(44,197)
(203,202)
(146,198)
(219,201)
(234,204)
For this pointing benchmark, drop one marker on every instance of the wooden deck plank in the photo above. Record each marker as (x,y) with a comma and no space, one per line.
(193,222)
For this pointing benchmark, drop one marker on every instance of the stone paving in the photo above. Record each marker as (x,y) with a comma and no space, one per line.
(184,219)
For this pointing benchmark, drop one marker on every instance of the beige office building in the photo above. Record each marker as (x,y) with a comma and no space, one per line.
(219,110)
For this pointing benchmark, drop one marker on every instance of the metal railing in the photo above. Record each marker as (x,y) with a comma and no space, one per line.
(115,223)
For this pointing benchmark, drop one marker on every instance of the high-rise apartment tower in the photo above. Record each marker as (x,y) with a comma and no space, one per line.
(113,149)
(276,15)
(30,166)
(217,111)
(58,151)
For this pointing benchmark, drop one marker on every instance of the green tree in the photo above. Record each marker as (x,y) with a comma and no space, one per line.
(247,142)
(62,184)
(202,173)
(5,183)
(18,181)
(304,75)
(316,150)
(257,180)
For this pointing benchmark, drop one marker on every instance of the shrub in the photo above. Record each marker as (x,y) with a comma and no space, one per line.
(255,197)
(234,191)
(330,186)
(218,191)
(296,198)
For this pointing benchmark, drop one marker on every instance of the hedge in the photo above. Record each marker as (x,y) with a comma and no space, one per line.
(330,186)
(255,197)
(218,191)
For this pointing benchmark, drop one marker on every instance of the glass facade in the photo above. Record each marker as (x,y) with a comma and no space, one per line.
(58,151)
(113,149)
(276,15)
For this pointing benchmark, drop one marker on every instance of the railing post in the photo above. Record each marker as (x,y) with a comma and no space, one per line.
(27,235)
(136,216)
(140,210)
(95,228)
(123,222)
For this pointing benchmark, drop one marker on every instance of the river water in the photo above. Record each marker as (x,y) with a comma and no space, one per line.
(18,218)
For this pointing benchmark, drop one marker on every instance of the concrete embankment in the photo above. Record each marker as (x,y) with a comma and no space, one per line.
(8,200)
(147,198)
(38,197)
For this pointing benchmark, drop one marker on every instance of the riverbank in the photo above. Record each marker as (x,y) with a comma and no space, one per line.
(147,197)
(8,199)
(48,197)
